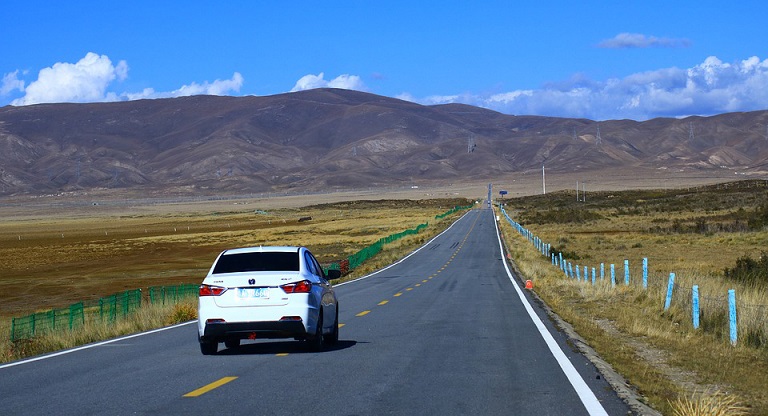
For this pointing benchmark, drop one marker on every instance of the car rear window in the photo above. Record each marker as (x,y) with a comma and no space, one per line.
(257,262)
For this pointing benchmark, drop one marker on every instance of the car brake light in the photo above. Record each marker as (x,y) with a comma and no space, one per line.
(208,290)
(305,286)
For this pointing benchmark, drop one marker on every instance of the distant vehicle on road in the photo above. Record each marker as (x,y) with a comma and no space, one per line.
(267,292)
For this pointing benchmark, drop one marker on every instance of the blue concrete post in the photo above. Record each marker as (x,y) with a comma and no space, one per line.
(626,272)
(695,306)
(732,316)
(645,272)
(670,287)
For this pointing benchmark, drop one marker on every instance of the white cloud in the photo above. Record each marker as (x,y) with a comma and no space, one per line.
(10,83)
(712,87)
(638,40)
(217,87)
(88,80)
(345,81)
(85,81)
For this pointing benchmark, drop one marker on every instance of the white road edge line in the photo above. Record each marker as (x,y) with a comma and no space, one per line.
(98,344)
(85,347)
(586,395)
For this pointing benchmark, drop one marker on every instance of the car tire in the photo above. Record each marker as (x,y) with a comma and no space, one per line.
(333,338)
(232,342)
(316,342)
(209,347)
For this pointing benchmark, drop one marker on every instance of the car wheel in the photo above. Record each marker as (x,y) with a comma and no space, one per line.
(232,342)
(209,347)
(316,342)
(333,338)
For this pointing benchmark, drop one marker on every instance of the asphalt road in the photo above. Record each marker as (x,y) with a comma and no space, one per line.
(445,331)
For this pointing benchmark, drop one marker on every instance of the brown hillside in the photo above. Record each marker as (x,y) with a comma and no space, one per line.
(327,139)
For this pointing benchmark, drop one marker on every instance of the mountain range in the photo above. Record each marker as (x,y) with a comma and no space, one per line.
(331,139)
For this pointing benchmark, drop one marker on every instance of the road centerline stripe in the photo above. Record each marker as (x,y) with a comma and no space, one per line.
(209,387)
(363,313)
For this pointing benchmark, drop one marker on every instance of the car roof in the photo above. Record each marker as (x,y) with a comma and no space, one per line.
(263,249)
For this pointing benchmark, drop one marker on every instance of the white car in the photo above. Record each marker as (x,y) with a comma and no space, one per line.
(267,292)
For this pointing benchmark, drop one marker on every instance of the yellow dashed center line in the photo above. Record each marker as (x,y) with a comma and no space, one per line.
(282,354)
(206,389)
(398,294)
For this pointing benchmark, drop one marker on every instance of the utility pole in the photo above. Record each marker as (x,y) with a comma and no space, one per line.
(543,181)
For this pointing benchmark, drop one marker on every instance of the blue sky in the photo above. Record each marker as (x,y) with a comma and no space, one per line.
(592,59)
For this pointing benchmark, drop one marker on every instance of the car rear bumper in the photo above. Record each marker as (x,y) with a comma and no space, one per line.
(254,330)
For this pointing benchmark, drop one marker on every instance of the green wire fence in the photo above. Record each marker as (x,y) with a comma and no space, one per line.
(107,309)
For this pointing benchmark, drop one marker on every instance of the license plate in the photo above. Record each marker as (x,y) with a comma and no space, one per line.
(257,292)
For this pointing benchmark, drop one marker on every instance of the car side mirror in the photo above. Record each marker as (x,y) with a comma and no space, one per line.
(334,274)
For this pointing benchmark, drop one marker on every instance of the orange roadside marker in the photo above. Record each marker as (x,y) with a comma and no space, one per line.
(528,284)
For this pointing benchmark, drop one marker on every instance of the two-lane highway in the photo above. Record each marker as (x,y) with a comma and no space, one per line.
(444,331)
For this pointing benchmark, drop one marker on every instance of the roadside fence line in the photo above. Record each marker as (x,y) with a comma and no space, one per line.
(104,310)
(719,315)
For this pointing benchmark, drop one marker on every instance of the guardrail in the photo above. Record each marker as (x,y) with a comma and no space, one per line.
(720,315)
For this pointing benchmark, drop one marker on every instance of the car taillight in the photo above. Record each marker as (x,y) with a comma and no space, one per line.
(305,286)
(208,290)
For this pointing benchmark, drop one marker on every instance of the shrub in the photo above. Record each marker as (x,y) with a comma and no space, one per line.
(182,312)
(748,270)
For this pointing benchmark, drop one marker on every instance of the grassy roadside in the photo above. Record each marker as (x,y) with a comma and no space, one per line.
(660,354)
(335,231)
(144,319)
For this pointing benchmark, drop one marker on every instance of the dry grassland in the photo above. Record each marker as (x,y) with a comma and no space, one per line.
(52,261)
(660,353)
